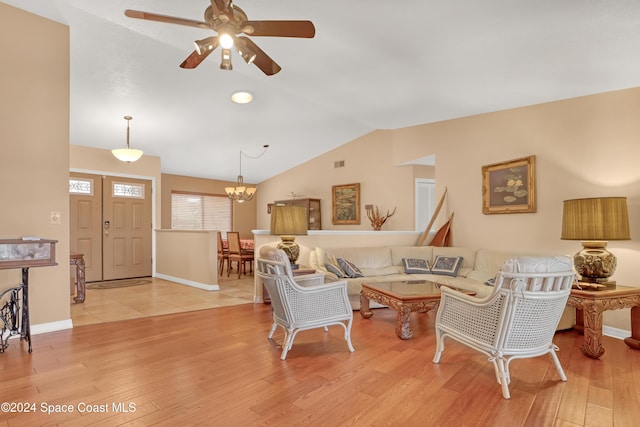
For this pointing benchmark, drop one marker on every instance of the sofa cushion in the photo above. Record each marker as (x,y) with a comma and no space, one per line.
(488,262)
(418,252)
(446,265)
(384,271)
(415,266)
(349,268)
(364,257)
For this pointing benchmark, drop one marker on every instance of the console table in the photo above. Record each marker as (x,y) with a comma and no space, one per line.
(23,254)
(589,308)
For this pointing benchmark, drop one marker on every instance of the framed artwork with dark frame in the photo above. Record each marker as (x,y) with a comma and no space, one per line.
(346,204)
(509,187)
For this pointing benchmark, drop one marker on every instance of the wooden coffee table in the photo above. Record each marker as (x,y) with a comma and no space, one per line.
(404,297)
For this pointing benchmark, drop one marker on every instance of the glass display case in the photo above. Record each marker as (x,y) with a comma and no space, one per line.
(19,253)
(14,309)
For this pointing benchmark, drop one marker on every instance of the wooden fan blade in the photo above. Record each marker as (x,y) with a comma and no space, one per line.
(138,14)
(303,29)
(195,59)
(262,61)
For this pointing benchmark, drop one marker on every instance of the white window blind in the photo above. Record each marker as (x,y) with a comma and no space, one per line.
(200,212)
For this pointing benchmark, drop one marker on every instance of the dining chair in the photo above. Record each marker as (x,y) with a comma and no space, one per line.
(223,254)
(238,255)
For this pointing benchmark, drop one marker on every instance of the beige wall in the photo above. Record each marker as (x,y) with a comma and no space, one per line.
(368,161)
(189,257)
(584,147)
(244,214)
(34,151)
(99,161)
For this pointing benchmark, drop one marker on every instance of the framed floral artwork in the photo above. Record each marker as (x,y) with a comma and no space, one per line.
(509,187)
(346,204)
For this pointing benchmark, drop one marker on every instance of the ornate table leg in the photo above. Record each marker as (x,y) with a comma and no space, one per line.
(592,345)
(403,327)
(634,340)
(26,322)
(365,310)
(80,280)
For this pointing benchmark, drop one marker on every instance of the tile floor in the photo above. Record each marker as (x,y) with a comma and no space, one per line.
(157,298)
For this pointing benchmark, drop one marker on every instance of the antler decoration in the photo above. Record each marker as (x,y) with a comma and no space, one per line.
(376,219)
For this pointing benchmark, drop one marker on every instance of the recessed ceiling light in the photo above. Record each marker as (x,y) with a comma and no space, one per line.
(242,97)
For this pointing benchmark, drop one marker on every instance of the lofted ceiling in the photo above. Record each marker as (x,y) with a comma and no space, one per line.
(372,65)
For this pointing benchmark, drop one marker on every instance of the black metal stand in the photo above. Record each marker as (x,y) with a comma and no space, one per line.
(14,314)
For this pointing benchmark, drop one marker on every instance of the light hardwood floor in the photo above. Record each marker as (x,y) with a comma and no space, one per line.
(156,298)
(216,367)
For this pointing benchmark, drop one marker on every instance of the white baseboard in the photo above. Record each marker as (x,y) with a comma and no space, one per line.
(615,332)
(44,328)
(188,282)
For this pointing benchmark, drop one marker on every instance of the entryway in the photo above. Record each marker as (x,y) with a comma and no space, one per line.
(110,223)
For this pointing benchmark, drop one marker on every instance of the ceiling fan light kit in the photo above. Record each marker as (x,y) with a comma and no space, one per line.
(225,64)
(228,20)
(127,154)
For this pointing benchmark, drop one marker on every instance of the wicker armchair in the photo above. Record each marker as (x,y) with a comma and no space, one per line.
(518,320)
(304,302)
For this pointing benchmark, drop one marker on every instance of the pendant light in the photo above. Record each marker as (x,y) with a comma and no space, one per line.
(241,192)
(128,154)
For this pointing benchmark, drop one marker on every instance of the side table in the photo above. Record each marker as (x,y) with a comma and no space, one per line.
(589,308)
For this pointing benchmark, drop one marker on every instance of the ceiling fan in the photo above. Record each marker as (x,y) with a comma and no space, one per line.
(228,21)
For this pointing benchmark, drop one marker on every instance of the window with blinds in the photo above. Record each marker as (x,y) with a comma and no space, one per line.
(200,212)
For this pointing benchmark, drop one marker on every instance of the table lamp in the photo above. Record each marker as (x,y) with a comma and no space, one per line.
(289,222)
(595,221)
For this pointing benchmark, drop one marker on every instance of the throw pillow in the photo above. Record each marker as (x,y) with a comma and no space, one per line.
(349,268)
(332,268)
(446,265)
(414,266)
(490,282)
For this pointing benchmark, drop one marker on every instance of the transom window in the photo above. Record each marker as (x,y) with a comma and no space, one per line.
(121,189)
(80,186)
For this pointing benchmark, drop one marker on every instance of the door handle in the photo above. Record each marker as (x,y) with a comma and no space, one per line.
(107,225)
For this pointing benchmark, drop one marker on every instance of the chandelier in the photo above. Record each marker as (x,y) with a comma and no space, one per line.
(241,192)
(127,154)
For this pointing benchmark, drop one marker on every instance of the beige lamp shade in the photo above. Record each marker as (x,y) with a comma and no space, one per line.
(599,218)
(288,220)
(595,221)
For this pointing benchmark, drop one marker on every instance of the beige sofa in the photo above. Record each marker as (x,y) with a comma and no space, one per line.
(384,264)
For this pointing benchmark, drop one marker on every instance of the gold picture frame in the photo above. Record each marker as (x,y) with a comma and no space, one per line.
(509,187)
(346,204)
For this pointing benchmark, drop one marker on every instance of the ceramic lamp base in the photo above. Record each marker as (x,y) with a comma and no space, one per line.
(290,247)
(594,263)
